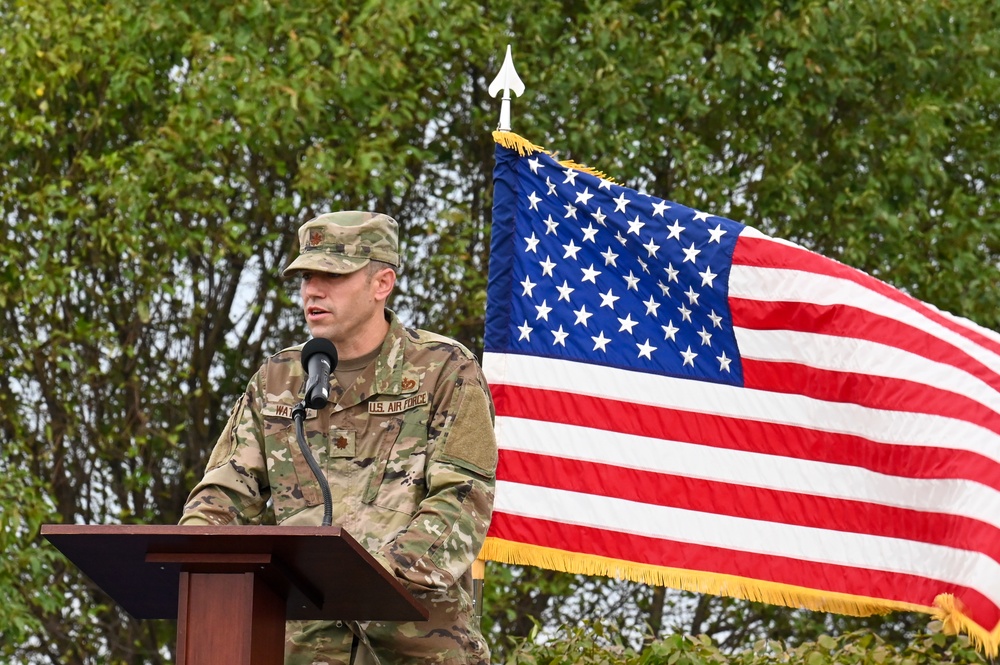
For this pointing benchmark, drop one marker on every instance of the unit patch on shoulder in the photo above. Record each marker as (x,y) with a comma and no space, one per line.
(399,405)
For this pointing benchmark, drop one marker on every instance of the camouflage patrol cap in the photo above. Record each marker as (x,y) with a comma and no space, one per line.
(343,242)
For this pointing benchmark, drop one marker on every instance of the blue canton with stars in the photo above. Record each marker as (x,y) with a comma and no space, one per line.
(587,270)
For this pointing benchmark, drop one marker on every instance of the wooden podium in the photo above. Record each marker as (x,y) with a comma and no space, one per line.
(231,588)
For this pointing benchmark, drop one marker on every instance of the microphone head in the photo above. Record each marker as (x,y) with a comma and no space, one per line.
(319,345)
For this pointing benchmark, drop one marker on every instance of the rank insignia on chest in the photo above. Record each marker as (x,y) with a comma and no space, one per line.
(397,406)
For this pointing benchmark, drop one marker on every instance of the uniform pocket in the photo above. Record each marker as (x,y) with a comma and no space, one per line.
(397,482)
(293,484)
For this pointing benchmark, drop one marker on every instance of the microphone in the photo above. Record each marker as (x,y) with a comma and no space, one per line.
(319,358)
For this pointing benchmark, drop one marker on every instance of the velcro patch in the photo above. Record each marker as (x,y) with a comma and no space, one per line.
(342,443)
(276,410)
(399,405)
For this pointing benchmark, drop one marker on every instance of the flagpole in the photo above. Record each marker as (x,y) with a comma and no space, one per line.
(507,81)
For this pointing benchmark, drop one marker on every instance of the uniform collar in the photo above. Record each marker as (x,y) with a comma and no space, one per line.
(388,375)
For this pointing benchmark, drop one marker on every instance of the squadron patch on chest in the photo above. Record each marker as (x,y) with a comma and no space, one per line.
(399,405)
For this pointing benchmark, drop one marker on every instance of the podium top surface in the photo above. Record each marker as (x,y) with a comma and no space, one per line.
(322,571)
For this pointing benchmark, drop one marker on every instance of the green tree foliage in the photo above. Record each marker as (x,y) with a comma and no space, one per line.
(593,644)
(156,158)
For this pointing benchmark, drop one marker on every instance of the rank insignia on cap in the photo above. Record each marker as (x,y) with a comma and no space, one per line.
(315,238)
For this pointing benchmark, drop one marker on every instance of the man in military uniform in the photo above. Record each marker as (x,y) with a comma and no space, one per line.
(406,443)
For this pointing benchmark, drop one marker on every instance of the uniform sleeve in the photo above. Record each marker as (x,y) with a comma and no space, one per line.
(446,533)
(234,488)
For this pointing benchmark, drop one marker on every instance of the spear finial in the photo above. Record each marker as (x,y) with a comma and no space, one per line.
(508,81)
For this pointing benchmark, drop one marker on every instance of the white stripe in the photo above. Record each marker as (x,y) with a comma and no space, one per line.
(847,354)
(891,427)
(962,498)
(780,285)
(964,568)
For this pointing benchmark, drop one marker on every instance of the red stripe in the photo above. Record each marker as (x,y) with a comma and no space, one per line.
(754,503)
(748,435)
(875,392)
(674,554)
(853,322)
(763,253)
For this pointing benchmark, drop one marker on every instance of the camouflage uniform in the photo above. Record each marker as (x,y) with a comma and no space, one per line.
(409,452)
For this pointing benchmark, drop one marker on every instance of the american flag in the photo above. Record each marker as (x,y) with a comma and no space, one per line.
(685,401)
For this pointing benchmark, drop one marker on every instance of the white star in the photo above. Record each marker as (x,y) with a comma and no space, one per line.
(584,196)
(570,211)
(551,224)
(646,349)
(560,336)
(533,200)
(589,233)
(621,202)
(692,295)
(716,319)
(605,184)
(609,257)
(619,238)
(570,176)
(564,291)
(716,234)
(664,288)
(532,243)
(707,277)
(543,311)
(671,273)
(632,281)
(534,164)
(582,315)
(608,299)
(706,337)
(658,208)
(627,324)
(689,357)
(547,267)
(723,362)
(525,331)
(635,225)
(690,254)
(590,275)
(600,342)
(669,331)
(552,187)
(700,216)
(651,247)
(642,264)
(675,230)
(571,250)
(651,306)
(599,217)
(528,286)
(685,313)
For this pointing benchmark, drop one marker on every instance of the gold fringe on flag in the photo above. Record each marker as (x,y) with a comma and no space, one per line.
(946,606)
(524,147)
(950,612)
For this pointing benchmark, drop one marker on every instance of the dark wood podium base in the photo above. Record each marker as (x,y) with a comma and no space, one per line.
(215,603)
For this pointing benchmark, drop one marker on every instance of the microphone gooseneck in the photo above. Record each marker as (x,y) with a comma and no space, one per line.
(319,358)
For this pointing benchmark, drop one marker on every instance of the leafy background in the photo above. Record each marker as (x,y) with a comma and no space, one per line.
(157,156)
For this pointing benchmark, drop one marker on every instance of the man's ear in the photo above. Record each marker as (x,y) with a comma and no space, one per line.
(384,281)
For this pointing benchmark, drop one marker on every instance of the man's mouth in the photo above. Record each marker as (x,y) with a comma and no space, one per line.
(314,312)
